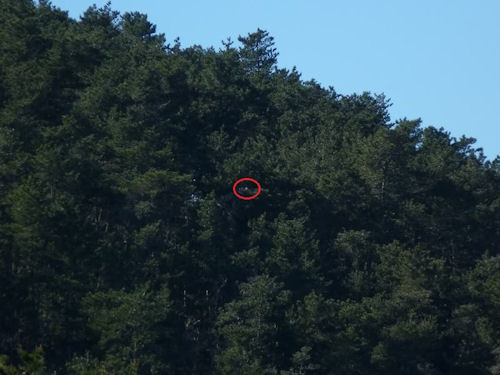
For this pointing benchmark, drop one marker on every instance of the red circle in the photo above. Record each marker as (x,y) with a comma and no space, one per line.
(247,179)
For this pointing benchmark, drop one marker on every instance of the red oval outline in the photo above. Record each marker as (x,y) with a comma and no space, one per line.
(247,179)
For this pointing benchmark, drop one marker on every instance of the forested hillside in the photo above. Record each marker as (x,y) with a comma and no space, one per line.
(373,247)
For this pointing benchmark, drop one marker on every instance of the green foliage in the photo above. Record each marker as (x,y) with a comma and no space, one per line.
(131,327)
(251,328)
(372,249)
(30,363)
(91,366)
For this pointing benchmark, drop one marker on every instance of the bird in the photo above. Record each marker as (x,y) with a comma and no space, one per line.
(245,190)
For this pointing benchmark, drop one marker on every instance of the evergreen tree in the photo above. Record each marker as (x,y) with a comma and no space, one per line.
(372,248)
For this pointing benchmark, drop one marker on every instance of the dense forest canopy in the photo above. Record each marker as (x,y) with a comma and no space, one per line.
(373,247)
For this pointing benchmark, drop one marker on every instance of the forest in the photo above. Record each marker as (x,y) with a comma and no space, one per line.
(373,247)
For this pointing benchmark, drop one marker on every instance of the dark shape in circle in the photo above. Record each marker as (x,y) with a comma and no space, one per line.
(246,189)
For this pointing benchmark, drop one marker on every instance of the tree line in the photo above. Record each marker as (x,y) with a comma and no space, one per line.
(373,247)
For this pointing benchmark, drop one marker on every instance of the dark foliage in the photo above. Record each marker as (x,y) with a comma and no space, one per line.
(372,249)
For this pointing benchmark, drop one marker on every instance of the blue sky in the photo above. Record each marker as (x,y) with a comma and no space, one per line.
(437,60)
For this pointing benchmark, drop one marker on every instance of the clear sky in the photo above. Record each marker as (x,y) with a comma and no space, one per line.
(437,60)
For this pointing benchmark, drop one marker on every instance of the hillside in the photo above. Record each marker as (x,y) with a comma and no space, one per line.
(373,247)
